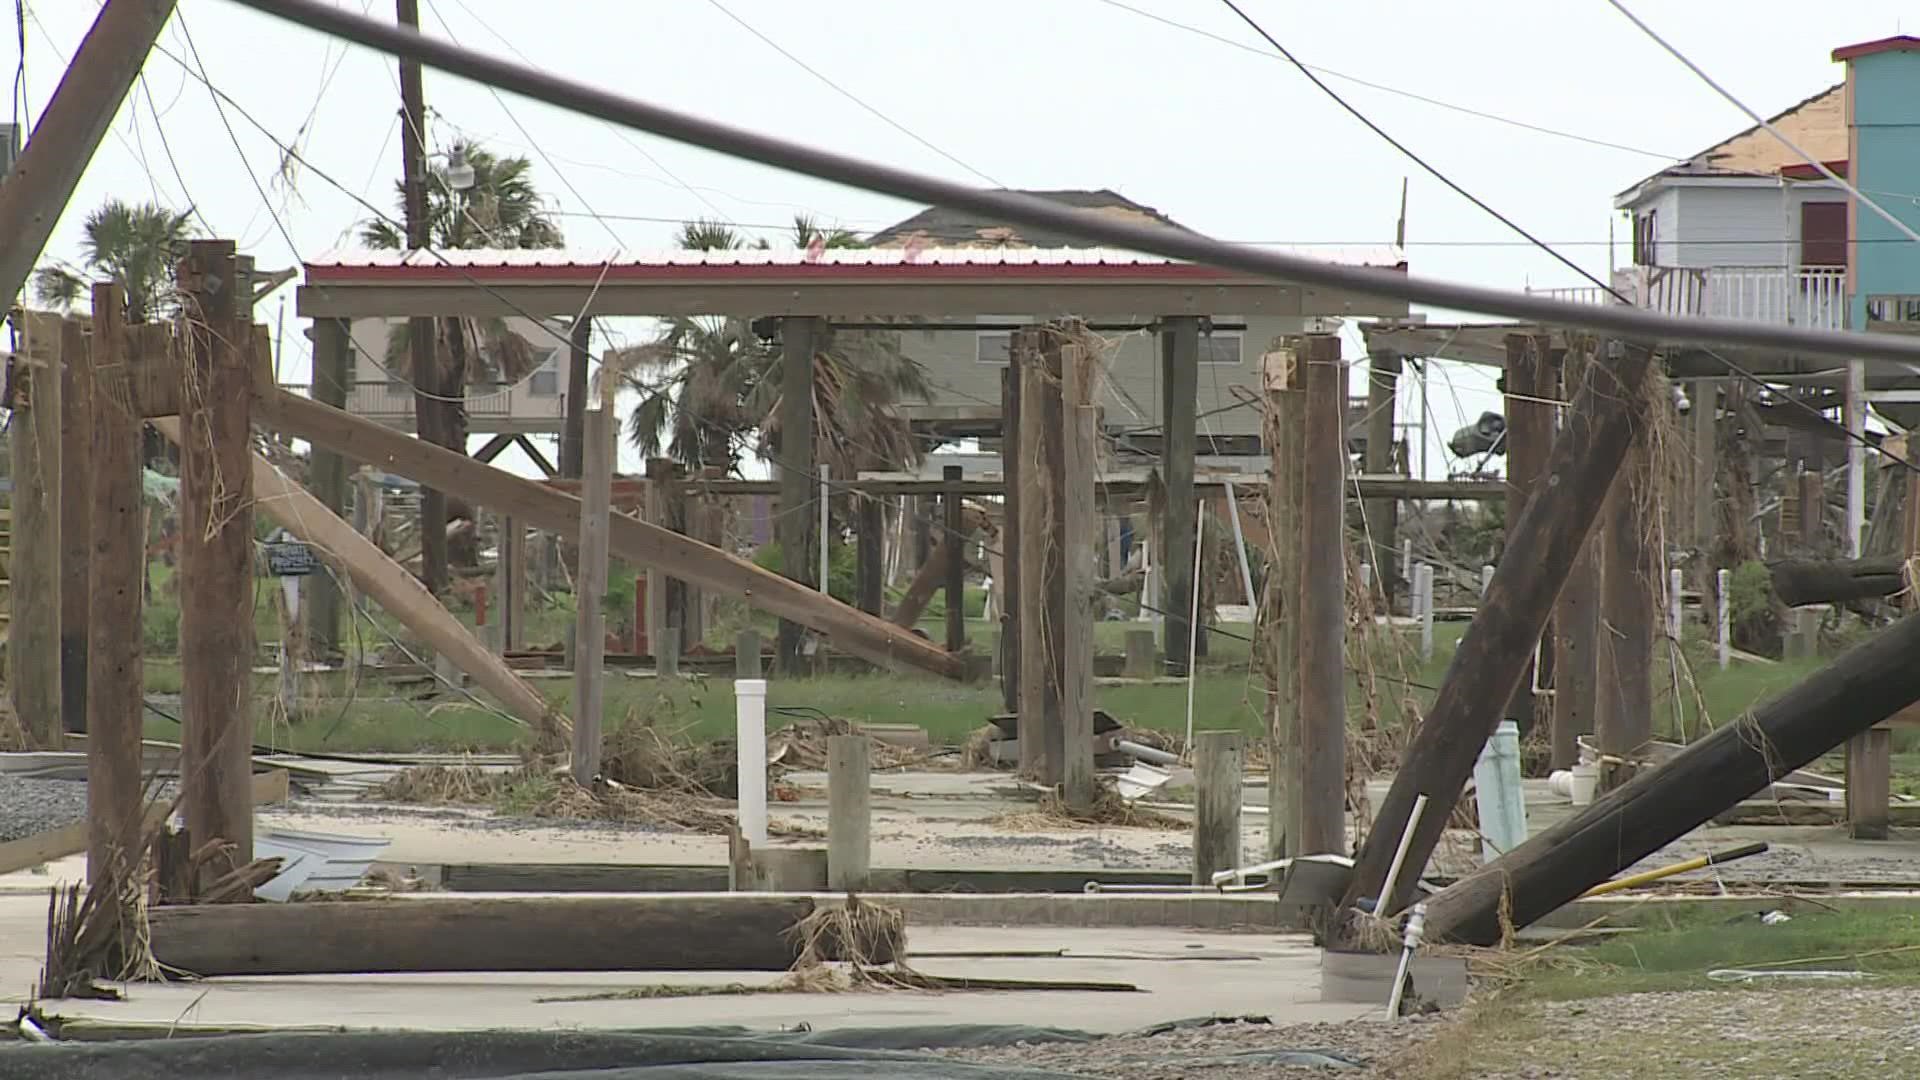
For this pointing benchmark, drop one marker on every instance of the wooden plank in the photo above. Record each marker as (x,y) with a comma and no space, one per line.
(621,878)
(76,512)
(1505,629)
(544,508)
(1862,687)
(33,662)
(389,584)
(672,932)
(45,847)
(1322,772)
(590,631)
(117,558)
(216,555)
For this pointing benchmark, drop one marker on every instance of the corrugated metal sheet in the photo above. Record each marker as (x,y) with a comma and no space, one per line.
(590,260)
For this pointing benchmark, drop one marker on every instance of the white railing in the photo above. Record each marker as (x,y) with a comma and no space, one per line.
(1577,294)
(1816,298)
(393,402)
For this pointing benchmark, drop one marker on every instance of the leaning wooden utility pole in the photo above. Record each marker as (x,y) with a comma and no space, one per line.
(430,411)
(1284,430)
(1321,775)
(216,553)
(1506,628)
(69,131)
(1861,688)
(118,564)
(1576,615)
(799,336)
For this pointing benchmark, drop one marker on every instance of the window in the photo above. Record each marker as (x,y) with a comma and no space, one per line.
(545,381)
(1646,236)
(1223,346)
(994,346)
(1823,234)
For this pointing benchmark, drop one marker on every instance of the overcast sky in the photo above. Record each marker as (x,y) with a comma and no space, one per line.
(1232,141)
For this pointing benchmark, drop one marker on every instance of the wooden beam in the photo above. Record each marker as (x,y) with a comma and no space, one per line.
(216,554)
(1122,488)
(1322,772)
(1799,582)
(1179,375)
(327,476)
(663,932)
(1284,431)
(387,583)
(542,507)
(536,455)
(492,447)
(1863,687)
(34,606)
(117,557)
(590,589)
(1488,663)
(76,514)
(1576,614)
(798,476)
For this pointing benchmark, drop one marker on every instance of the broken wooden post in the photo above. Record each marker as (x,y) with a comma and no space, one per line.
(33,639)
(216,555)
(849,812)
(1576,615)
(1179,387)
(589,592)
(1321,774)
(1506,628)
(798,339)
(1077,529)
(954,538)
(1216,814)
(1141,659)
(1284,431)
(118,557)
(76,512)
(1630,566)
(746,655)
(1011,531)
(1869,779)
(1861,688)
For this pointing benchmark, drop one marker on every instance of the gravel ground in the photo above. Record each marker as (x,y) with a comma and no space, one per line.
(1226,1051)
(33,806)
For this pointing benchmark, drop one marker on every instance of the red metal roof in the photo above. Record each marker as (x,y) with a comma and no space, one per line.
(851,265)
(1898,43)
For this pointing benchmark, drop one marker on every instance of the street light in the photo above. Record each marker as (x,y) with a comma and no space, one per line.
(459,174)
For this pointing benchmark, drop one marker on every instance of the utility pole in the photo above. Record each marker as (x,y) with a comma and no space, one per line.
(70,129)
(429,410)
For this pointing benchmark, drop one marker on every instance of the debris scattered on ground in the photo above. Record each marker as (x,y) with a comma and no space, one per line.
(1233,1049)
(1108,810)
(641,755)
(467,785)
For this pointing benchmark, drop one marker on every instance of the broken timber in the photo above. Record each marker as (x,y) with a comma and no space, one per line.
(866,636)
(1494,652)
(1861,688)
(1799,582)
(662,932)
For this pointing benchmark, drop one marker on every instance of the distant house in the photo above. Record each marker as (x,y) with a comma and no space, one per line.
(965,369)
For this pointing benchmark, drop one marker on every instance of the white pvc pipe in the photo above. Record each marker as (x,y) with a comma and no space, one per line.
(1240,547)
(1674,580)
(1400,853)
(1416,928)
(825,473)
(1725,637)
(1424,596)
(750,737)
(1193,618)
(1486,579)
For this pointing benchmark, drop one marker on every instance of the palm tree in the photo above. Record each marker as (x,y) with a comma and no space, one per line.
(706,385)
(135,246)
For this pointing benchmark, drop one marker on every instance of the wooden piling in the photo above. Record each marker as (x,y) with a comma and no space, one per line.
(1321,777)
(1140,663)
(849,812)
(1010,531)
(1531,381)
(1630,566)
(1216,818)
(869,562)
(1576,614)
(1040,637)
(327,476)
(1284,431)
(666,653)
(1383,384)
(590,587)
(660,611)
(33,638)
(798,476)
(1179,375)
(953,537)
(1869,783)
(76,514)
(216,555)
(1078,528)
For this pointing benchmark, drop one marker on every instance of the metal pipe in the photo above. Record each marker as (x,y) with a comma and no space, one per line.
(1151,754)
(1618,320)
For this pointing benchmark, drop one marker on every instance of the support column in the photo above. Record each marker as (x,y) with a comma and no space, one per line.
(1042,638)
(1179,386)
(1284,432)
(1704,421)
(1576,615)
(1855,409)
(798,474)
(76,515)
(1010,532)
(1078,529)
(332,377)
(1322,770)
(870,593)
(1530,382)
(1630,568)
(660,609)
(573,431)
(1383,515)
(216,556)
(118,563)
(954,538)
(590,588)
(33,640)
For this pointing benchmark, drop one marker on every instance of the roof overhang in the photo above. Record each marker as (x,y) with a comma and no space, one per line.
(1658,182)
(871,282)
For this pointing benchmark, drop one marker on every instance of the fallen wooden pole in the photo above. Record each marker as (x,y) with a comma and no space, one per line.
(672,932)
(541,507)
(1861,688)
(1798,582)
(1506,629)
(387,583)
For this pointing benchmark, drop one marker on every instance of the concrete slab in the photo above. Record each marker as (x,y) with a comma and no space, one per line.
(1181,973)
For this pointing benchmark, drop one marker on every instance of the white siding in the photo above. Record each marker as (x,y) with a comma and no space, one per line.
(1736,222)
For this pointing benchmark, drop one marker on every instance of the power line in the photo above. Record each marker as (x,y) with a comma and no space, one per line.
(850,95)
(1422,98)
(1032,211)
